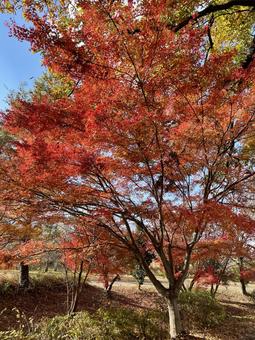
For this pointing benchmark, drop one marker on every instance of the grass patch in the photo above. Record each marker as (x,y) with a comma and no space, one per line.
(201,310)
(105,324)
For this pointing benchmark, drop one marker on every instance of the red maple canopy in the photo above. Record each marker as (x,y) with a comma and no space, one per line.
(151,138)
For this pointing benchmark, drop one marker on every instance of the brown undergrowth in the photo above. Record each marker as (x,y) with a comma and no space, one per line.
(48,300)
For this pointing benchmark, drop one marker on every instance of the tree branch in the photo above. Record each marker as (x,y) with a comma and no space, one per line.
(250,56)
(212,9)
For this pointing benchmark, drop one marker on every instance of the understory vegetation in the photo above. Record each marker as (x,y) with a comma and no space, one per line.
(199,308)
(130,312)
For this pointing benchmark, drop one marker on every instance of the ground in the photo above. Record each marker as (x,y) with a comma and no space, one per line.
(46,298)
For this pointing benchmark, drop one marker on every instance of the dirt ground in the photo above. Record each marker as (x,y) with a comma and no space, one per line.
(48,301)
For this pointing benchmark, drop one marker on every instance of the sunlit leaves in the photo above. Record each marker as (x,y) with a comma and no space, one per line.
(149,143)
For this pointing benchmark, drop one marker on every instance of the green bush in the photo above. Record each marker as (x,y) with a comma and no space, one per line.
(200,309)
(6,288)
(124,323)
(107,324)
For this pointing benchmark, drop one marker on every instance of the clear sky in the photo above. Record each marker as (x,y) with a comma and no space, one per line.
(18,65)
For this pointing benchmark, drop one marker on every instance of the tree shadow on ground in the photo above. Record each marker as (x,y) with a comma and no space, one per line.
(249,305)
(240,322)
(40,302)
(48,301)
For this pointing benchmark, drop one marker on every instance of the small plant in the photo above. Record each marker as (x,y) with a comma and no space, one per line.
(12,335)
(139,274)
(6,287)
(123,323)
(200,309)
(52,329)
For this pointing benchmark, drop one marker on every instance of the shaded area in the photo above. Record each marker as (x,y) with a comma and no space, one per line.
(47,298)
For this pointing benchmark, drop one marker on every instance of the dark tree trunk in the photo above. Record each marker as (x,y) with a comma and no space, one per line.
(46,266)
(24,275)
(212,290)
(184,289)
(242,281)
(109,289)
(192,283)
(243,286)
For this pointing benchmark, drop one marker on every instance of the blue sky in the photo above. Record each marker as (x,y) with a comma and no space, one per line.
(18,65)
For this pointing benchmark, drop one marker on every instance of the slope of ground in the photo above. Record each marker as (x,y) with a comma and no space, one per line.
(47,298)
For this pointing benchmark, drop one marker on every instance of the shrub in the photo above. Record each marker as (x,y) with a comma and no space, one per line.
(6,288)
(200,309)
(110,324)
(125,323)
(12,335)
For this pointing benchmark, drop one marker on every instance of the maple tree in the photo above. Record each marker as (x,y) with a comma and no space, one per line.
(85,250)
(77,256)
(246,266)
(151,140)
(110,261)
(215,259)
(16,228)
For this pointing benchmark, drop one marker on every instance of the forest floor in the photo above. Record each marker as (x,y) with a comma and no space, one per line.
(47,298)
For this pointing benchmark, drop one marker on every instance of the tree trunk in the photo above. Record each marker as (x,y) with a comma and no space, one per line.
(192,283)
(76,291)
(212,291)
(55,266)
(24,275)
(242,281)
(175,327)
(74,303)
(46,266)
(184,289)
(109,289)
(243,285)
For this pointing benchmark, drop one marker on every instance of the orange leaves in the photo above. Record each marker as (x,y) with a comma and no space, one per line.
(150,139)
(248,275)
(6,259)
(206,276)
(98,251)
